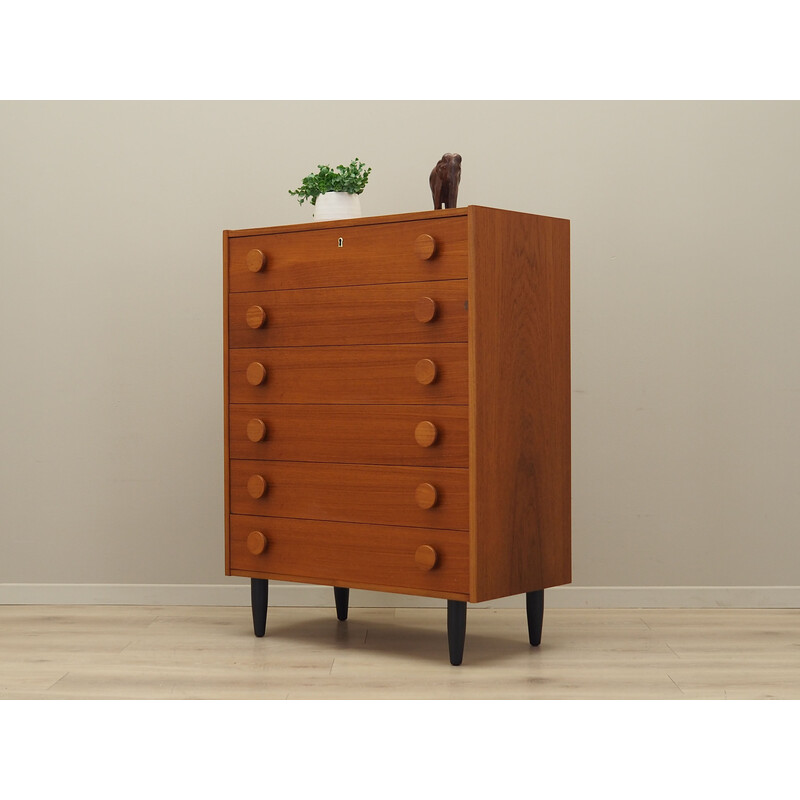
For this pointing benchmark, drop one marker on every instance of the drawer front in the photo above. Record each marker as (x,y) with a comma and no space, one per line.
(435,311)
(350,555)
(417,435)
(420,497)
(430,373)
(350,255)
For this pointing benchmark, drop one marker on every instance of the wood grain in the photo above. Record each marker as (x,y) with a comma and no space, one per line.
(255,373)
(352,434)
(370,254)
(425,246)
(255,428)
(426,371)
(368,374)
(226,396)
(350,493)
(519,352)
(352,555)
(347,334)
(426,309)
(254,316)
(426,557)
(386,314)
(426,433)
(426,495)
(89,652)
(256,542)
(255,260)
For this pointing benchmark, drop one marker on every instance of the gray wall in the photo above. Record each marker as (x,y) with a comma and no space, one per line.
(685,330)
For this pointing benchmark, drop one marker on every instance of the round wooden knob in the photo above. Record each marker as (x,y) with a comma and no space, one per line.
(425,309)
(256,486)
(425,246)
(256,542)
(255,260)
(256,317)
(256,430)
(425,434)
(426,557)
(256,373)
(425,371)
(426,495)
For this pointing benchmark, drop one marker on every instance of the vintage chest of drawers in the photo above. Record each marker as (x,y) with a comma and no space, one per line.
(397,395)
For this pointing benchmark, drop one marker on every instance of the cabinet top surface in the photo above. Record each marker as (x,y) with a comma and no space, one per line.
(340,223)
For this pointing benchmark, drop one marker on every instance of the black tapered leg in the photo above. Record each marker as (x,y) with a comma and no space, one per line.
(534,603)
(342,597)
(259,593)
(456,629)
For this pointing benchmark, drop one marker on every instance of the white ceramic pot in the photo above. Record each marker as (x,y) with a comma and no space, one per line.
(337,205)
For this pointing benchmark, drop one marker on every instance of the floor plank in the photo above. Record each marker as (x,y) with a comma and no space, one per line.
(166,652)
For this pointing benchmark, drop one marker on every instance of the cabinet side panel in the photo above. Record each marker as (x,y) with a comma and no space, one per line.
(519,352)
(226,398)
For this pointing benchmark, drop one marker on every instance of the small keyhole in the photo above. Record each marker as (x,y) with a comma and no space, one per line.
(341,242)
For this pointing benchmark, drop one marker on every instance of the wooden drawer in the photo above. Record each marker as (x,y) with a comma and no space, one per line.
(342,372)
(349,255)
(367,556)
(435,311)
(424,497)
(368,374)
(417,435)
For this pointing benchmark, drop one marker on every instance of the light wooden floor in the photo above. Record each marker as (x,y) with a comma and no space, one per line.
(166,652)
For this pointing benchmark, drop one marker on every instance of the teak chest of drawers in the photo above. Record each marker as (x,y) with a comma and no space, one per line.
(397,394)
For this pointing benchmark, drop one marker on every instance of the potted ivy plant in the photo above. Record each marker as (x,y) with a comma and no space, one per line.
(334,192)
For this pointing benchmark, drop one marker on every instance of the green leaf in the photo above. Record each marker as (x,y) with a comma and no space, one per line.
(351,179)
